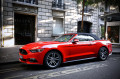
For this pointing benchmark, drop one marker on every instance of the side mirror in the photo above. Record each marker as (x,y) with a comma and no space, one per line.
(75,40)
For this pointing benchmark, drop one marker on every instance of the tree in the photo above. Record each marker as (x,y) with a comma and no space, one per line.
(86,2)
(93,2)
(107,2)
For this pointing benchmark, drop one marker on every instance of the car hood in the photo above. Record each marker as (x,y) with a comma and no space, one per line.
(37,45)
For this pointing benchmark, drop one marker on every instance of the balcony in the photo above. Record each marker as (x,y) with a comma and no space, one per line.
(87,12)
(32,3)
(28,1)
(58,5)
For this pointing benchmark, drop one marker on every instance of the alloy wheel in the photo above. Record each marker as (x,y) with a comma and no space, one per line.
(103,53)
(53,59)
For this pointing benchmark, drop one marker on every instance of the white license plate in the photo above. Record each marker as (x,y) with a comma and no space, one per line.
(21,57)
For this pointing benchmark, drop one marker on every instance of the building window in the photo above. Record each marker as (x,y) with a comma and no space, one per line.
(87,9)
(58,28)
(58,4)
(28,1)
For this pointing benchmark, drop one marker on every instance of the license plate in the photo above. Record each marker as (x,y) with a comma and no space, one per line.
(21,57)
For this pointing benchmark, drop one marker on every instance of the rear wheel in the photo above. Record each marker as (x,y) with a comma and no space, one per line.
(103,53)
(52,59)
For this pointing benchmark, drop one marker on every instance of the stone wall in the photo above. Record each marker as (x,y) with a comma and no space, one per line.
(45,18)
(71,16)
(95,19)
(0,22)
(8,23)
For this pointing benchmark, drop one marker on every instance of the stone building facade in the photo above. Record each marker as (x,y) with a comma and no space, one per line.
(37,20)
(26,21)
(54,20)
(92,14)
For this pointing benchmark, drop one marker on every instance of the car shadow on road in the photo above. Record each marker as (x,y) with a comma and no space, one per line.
(42,67)
(79,62)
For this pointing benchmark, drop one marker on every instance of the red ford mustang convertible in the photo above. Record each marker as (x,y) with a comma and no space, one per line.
(66,48)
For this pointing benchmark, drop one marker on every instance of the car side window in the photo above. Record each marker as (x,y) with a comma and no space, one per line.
(84,38)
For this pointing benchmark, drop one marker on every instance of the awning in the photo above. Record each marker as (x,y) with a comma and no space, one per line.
(112,17)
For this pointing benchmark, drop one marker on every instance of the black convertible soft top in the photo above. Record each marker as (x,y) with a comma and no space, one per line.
(89,34)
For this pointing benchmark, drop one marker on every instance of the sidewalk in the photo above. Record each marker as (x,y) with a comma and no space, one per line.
(116,50)
(11,54)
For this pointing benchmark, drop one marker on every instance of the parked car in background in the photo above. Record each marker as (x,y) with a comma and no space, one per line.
(66,48)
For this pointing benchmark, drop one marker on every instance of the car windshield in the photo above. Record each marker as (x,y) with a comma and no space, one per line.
(64,38)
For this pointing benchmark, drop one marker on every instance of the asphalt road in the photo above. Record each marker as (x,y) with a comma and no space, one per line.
(87,69)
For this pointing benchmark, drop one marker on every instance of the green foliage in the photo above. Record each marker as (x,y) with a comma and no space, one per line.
(89,2)
(109,2)
(113,2)
(102,31)
(78,1)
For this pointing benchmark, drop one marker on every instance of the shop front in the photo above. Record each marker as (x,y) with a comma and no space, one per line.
(113,28)
(113,34)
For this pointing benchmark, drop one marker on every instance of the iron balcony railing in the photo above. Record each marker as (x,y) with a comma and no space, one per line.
(88,11)
(58,5)
(28,1)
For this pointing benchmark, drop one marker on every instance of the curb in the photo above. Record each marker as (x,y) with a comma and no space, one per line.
(116,53)
(6,63)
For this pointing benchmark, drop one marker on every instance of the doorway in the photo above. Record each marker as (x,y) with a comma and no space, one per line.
(86,28)
(24,29)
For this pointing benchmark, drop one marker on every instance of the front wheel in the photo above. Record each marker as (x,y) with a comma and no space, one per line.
(103,54)
(52,59)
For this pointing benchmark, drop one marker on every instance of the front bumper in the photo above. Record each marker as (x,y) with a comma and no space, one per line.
(32,58)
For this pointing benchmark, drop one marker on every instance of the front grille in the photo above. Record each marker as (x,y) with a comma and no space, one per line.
(23,59)
(22,51)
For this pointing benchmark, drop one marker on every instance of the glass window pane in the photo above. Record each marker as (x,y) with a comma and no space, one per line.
(85,38)
(113,34)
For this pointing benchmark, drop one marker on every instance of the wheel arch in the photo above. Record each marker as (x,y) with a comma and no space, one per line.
(104,56)
(62,56)
(105,47)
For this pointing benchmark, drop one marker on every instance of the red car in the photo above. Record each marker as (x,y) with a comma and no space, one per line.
(66,48)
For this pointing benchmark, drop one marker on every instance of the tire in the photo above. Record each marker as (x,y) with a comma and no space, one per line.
(52,59)
(103,54)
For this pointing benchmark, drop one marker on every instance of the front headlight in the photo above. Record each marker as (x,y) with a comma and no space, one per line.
(36,50)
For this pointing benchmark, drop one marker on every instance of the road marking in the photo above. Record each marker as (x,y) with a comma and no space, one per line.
(13,77)
(9,70)
(65,72)
(45,71)
(116,58)
(69,67)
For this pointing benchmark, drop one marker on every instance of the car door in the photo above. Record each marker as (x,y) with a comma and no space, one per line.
(81,49)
